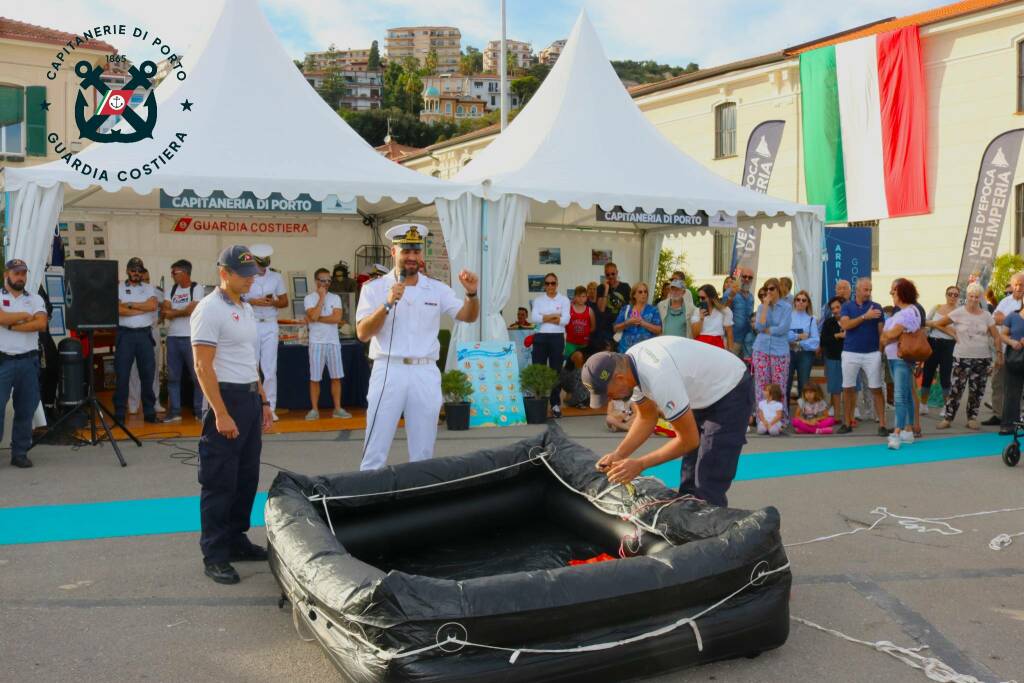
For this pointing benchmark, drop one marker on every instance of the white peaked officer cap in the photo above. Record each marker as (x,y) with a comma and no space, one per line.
(261,250)
(408,235)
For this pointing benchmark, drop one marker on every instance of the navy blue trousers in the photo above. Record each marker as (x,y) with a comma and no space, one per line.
(548,349)
(20,376)
(229,471)
(134,345)
(708,471)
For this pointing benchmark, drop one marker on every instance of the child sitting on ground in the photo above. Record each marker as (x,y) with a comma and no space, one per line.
(619,417)
(812,412)
(770,411)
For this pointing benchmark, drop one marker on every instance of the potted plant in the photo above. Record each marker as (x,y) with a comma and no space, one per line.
(537,382)
(456,388)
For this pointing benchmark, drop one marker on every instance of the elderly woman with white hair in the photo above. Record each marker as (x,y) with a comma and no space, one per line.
(975,332)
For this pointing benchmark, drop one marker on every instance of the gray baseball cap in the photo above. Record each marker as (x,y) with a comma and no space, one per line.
(596,373)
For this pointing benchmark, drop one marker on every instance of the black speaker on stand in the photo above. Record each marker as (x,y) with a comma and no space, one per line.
(91,299)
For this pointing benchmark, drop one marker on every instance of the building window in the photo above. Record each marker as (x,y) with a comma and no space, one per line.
(459,110)
(725,130)
(12,120)
(874,240)
(1018,217)
(493,100)
(472,111)
(724,239)
(1020,77)
(447,107)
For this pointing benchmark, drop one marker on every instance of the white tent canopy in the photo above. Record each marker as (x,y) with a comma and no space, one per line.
(581,141)
(255,125)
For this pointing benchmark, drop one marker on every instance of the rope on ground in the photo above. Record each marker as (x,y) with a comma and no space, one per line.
(939,525)
(1003,540)
(933,668)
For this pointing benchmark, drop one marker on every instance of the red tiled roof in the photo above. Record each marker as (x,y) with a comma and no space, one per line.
(20,30)
(943,13)
(397,152)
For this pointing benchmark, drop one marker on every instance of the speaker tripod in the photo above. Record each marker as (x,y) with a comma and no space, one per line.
(92,407)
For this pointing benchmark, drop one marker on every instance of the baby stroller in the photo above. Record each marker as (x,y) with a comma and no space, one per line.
(1011,454)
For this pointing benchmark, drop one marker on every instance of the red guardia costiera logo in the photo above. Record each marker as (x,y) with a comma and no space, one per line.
(182,224)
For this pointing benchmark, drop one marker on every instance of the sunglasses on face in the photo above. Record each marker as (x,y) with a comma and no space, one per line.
(802,300)
(549,283)
(746,277)
(952,293)
(135,270)
(770,289)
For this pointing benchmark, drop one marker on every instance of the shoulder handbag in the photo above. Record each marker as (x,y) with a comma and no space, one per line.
(1014,360)
(913,346)
(618,335)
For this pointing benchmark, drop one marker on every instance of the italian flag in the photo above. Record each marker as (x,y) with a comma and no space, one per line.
(865,124)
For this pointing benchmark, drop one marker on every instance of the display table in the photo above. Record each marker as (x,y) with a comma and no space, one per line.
(293,377)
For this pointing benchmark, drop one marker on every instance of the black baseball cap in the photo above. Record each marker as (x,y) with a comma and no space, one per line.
(15,264)
(135,262)
(597,371)
(239,260)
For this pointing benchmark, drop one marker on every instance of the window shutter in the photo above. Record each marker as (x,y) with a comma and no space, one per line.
(35,118)
(12,105)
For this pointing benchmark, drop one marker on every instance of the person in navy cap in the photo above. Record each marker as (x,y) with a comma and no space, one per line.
(400,315)
(704,391)
(22,318)
(137,311)
(223,333)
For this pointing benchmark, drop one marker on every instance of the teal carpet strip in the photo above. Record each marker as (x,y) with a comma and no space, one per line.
(81,521)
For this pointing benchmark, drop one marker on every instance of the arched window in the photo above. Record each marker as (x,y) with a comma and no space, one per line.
(459,110)
(725,130)
(472,110)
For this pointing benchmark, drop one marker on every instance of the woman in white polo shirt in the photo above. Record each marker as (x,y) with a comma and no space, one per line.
(550,311)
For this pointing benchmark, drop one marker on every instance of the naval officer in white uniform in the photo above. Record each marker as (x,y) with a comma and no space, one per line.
(266,295)
(400,315)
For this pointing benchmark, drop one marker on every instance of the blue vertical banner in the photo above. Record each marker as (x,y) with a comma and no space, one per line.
(848,257)
(493,369)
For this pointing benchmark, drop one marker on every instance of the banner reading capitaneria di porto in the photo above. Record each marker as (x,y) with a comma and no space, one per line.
(762,150)
(992,195)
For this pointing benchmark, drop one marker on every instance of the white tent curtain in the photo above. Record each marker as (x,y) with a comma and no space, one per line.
(808,252)
(654,240)
(34,212)
(500,225)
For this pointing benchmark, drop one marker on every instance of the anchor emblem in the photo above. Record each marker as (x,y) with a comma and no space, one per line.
(89,128)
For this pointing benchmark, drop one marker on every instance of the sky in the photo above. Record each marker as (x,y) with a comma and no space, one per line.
(676,32)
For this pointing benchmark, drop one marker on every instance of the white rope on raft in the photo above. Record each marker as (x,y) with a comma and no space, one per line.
(758,577)
(933,668)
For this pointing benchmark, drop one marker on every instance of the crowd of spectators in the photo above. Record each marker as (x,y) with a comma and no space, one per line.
(857,342)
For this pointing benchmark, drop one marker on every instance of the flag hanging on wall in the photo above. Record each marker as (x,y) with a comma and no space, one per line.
(865,126)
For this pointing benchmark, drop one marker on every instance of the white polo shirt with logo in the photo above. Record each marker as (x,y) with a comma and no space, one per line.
(270,283)
(182,297)
(679,373)
(418,316)
(128,293)
(231,328)
(12,342)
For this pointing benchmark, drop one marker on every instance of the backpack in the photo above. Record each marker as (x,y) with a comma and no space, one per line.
(191,291)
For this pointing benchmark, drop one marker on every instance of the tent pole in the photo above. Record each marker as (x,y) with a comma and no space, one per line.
(503,66)
(83,195)
(480,287)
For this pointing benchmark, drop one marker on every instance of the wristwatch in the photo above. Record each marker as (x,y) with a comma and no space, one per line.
(470,295)
(388,307)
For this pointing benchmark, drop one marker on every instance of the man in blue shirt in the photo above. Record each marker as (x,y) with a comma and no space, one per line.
(741,301)
(861,318)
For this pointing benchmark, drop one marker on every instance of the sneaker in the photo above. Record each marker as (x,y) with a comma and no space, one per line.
(21,461)
(158,408)
(222,572)
(993,421)
(894,442)
(273,414)
(924,408)
(556,411)
(944,424)
(844,429)
(249,552)
(342,413)
(171,418)
(311,415)
(882,431)
(973,424)
(151,418)
(907,436)
(856,413)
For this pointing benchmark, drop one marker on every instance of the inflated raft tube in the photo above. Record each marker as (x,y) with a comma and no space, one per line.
(457,569)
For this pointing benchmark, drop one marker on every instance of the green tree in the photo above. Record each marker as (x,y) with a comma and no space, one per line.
(669,262)
(299,64)
(1002,270)
(471,62)
(430,63)
(524,88)
(539,71)
(373,61)
(648,71)
(406,128)
(403,88)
